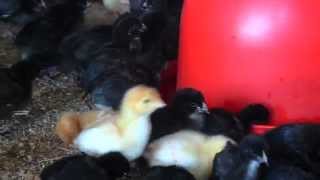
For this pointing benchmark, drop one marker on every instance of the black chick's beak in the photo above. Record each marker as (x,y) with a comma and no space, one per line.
(263,159)
(4,16)
(203,109)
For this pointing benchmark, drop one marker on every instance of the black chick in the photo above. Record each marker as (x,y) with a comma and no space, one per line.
(243,162)
(166,14)
(108,167)
(44,34)
(140,7)
(166,7)
(142,37)
(16,85)
(128,39)
(136,6)
(77,49)
(278,171)
(251,160)
(79,46)
(296,144)
(107,64)
(235,126)
(108,82)
(9,7)
(145,40)
(127,32)
(170,38)
(19,12)
(253,113)
(167,173)
(187,110)
(110,41)
(171,31)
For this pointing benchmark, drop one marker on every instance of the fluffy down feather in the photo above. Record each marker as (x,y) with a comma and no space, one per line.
(188,149)
(127,132)
(71,124)
(108,167)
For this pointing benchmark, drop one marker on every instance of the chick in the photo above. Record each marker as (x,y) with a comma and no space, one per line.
(235,125)
(144,37)
(44,34)
(187,110)
(137,6)
(170,38)
(167,173)
(241,162)
(167,14)
(16,85)
(106,64)
(111,41)
(78,48)
(188,149)
(251,161)
(8,8)
(19,12)
(107,83)
(296,144)
(172,29)
(106,72)
(253,113)
(107,167)
(127,132)
(141,7)
(128,31)
(279,171)
(129,39)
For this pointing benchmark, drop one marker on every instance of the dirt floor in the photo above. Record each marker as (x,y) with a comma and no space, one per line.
(27,140)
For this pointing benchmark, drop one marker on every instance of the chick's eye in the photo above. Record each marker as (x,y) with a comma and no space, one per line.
(194,105)
(146,101)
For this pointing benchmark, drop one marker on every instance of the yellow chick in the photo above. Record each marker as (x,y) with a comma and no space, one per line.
(189,149)
(128,131)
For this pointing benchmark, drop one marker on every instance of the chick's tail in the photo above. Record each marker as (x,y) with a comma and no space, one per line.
(71,124)
(253,114)
(68,127)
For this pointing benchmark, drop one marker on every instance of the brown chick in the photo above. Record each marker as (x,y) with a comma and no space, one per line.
(127,131)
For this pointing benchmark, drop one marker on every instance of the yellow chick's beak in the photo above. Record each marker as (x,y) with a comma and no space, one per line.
(159,104)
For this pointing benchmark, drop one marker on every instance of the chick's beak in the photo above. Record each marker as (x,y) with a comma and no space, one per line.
(264,159)
(203,109)
(5,15)
(159,104)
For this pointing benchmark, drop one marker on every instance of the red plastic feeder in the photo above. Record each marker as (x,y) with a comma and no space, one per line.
(239,52)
